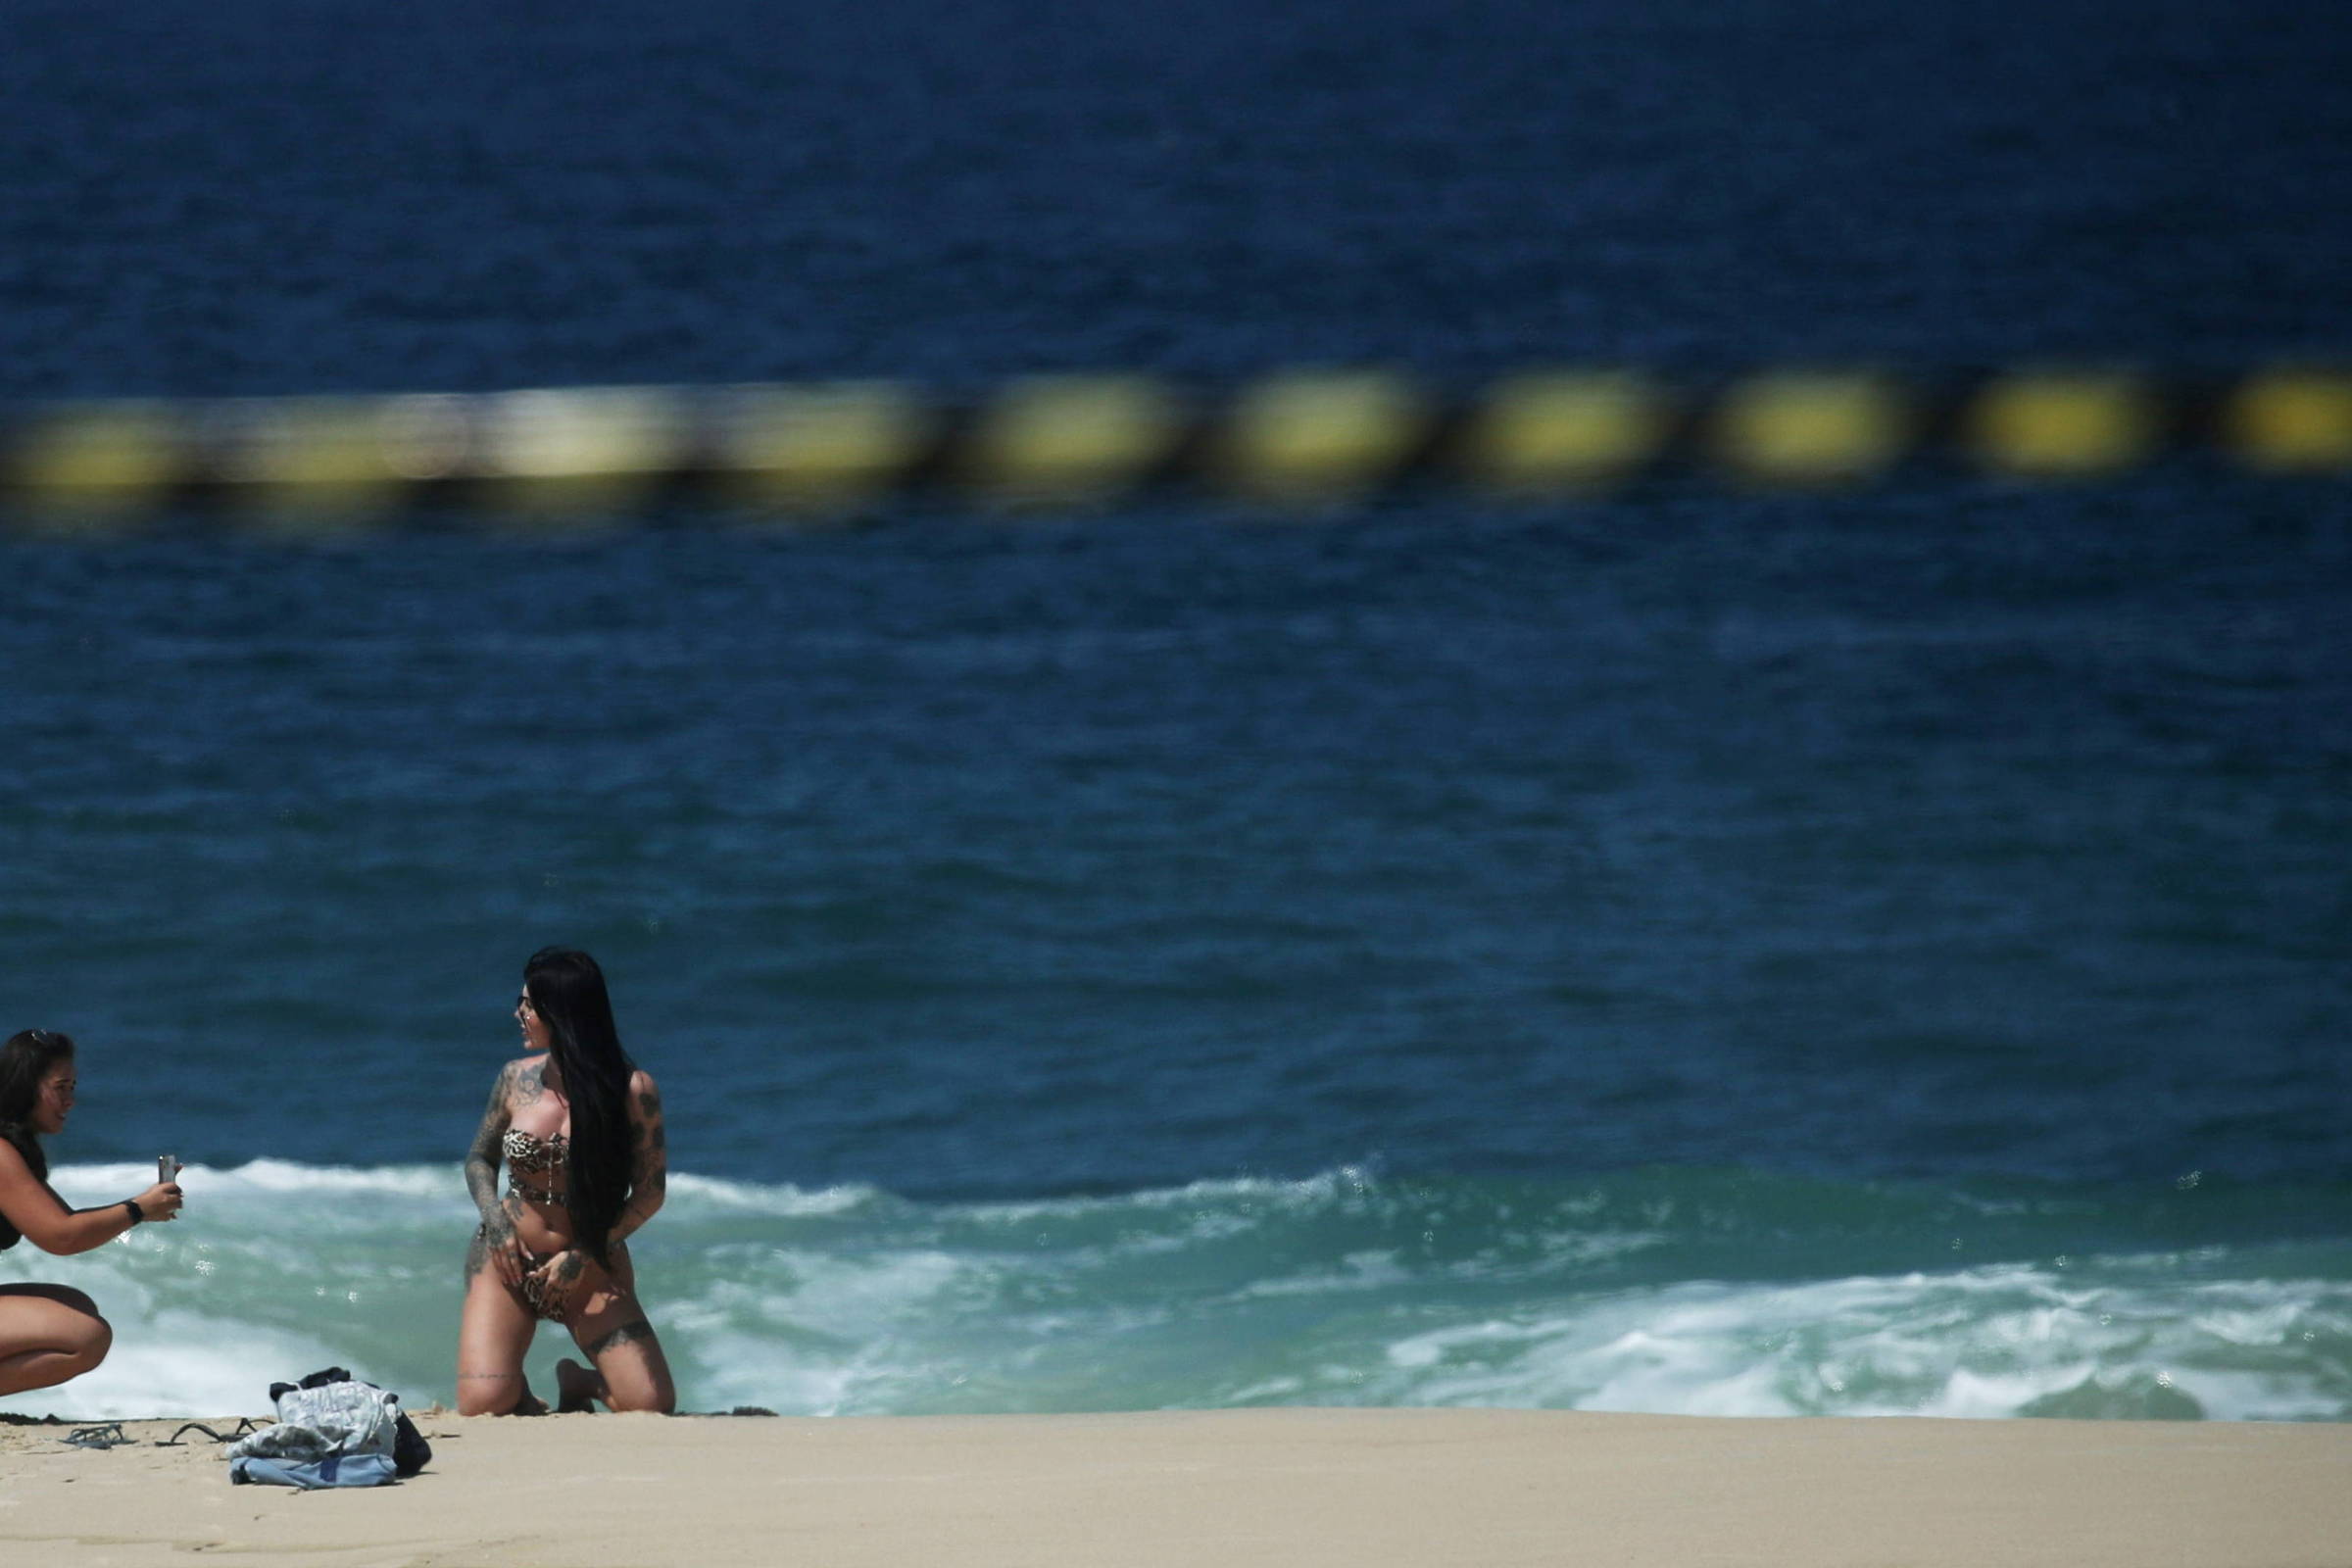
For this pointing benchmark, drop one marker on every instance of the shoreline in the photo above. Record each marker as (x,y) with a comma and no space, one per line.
(1363,1488)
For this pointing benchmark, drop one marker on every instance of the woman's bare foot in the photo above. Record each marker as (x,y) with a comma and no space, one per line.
(577,1387)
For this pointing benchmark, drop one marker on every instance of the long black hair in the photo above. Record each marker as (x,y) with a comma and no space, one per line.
(23,1063)
(567,990)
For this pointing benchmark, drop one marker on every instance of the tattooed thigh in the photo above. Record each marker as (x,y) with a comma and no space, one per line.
(631,1332)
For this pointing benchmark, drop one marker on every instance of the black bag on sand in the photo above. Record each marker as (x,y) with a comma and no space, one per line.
(410,1452)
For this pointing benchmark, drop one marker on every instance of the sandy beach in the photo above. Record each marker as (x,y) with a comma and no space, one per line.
(1272,1487)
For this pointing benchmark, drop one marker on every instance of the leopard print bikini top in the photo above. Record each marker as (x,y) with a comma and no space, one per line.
(546,1158)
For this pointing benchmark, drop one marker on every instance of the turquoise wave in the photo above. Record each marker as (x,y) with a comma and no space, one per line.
(1676,1290)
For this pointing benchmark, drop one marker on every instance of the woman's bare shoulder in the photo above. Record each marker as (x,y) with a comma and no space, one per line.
(525,1079)
(518,1083)
(644,1092)
(20,1186)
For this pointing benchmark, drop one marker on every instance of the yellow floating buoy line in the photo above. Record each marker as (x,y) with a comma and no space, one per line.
(1299,438)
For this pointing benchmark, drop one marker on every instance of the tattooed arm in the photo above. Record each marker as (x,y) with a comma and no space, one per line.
(649,1172)
(494,1241)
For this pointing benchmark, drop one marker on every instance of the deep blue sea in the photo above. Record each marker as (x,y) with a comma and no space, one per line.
(1699,952)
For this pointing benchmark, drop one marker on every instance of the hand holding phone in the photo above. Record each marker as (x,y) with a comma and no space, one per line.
(161,1200)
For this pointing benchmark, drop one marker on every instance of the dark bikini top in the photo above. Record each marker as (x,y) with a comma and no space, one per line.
(24,1143)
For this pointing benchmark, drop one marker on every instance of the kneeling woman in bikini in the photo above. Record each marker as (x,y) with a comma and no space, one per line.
(579,1128)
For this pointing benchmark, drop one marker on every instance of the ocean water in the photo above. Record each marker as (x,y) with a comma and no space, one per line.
(1702,1292)
(1826,958)
(1694,951)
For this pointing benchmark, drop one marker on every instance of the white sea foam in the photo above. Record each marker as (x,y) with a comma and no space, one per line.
(784,1200)
(1332,1290)
(846,1299)
(1997,1342)
(263,1177)
(271,1201)
(439,1186)
(755,1370)
(1357,1271)
(183,1364)
(1239,1194)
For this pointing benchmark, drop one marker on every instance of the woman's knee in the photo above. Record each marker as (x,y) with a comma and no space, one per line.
(638,1379)
(74,1345)
(82,1335)
(97,1337)
(658,1402)
(488,1395)
(653,1397)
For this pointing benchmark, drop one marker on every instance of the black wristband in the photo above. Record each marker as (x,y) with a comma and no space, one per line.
(138,1215)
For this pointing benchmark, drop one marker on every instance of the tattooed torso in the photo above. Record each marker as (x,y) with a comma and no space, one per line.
(522,1101)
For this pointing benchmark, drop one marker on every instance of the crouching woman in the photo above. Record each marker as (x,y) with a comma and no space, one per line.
(50,1333)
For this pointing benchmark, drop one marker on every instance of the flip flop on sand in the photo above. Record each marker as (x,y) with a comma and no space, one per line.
(243,1426)
(104,1435)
